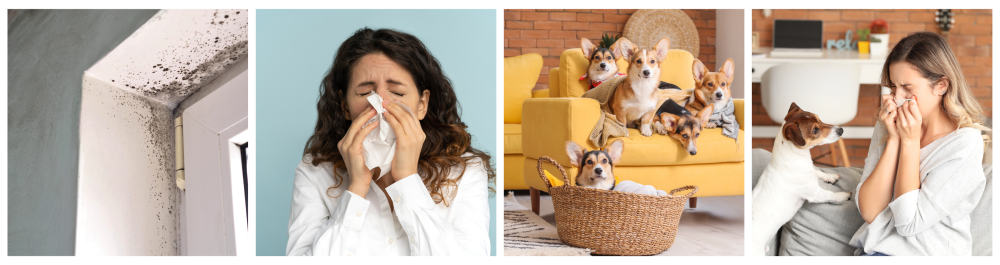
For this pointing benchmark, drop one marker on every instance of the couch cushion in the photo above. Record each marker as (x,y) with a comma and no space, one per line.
(658,149)
(817,229)
(982,218)
(512,139)
(520,73)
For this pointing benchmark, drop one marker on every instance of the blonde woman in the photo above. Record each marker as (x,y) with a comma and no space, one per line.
(923,175)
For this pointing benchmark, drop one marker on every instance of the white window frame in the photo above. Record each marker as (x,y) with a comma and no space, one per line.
(213,220)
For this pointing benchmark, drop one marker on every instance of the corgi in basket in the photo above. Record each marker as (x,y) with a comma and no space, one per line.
(595,168)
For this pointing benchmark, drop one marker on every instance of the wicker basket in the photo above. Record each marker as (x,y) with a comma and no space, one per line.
(614,222)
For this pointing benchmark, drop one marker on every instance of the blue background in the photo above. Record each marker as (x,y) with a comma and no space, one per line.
(295,48)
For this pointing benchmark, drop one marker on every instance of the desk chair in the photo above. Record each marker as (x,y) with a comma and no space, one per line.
(829,90)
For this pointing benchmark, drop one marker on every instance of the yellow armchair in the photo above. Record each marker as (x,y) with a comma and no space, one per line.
(658,160)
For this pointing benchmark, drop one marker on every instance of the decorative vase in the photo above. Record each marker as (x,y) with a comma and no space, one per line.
(880,47)
(862,46)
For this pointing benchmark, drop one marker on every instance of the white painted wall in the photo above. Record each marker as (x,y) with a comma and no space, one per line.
(729,35)
(127,199)
(128,203)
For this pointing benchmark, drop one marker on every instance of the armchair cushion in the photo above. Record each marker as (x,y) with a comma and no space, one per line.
(520,73)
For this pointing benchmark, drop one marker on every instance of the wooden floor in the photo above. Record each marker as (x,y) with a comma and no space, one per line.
(715,228)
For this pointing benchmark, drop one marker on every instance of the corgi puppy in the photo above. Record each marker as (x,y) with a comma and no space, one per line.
(789,180)
(635,98)
(595,168)
(603,63)
(711,88)
(681,124)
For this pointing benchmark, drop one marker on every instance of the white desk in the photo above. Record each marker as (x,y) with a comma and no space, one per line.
(871,66)
(871,71)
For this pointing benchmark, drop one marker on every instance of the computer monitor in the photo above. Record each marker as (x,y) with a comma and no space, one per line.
(798,34)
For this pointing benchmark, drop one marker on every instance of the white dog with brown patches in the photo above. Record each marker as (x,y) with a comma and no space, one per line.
(789,180)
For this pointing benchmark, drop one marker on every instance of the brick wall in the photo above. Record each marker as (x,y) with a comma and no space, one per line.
(970,39)
(551,31)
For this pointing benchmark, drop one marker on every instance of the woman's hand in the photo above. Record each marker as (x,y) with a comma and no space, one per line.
(888,116)
(352,150)
(409,139)
(908,123)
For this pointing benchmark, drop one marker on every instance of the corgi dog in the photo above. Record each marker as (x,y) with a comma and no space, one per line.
(681,124)
(711,88)
(603,63)
(595,168)
(789,180)
(635,98)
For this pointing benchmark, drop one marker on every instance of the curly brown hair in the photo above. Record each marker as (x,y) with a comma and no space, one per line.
(446,137)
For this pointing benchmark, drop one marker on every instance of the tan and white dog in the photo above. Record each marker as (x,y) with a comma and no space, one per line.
(789,180)
(603,63)
(711,88)
(635,99)
(595,168)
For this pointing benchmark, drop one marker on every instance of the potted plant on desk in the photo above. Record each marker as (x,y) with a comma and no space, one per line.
(863,40)
(879,37)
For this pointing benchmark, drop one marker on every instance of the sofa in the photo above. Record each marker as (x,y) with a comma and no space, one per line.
(658,160)
(824,229)
(519,77)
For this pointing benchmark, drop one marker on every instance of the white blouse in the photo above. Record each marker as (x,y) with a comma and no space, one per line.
(351,225)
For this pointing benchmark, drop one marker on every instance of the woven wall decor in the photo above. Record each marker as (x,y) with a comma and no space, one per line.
(647,26)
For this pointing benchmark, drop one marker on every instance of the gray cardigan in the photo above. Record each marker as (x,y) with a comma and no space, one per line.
(932,220)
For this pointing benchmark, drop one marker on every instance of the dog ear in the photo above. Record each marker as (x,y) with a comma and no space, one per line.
(587,47)
(699,70)
(575,153)
(794,109)
(615,151)
(669,121)
(705,114)
(728,68)
(623,48)
(792,133)
(662,47)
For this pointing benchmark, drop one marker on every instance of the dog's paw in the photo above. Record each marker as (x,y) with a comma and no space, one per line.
(711,125)
(830,178)
(841,196)
(645,130)
(660,129)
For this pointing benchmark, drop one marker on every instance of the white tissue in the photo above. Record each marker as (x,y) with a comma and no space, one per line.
(379,145)
(900,102)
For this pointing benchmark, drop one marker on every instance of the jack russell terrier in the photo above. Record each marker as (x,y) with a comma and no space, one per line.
(789,180)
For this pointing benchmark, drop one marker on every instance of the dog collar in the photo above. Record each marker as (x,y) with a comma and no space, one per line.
(595,83)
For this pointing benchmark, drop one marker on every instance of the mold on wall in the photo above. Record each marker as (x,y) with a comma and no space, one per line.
(128,202)
(192,48)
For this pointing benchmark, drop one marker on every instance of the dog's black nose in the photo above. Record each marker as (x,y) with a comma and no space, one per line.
(604,65)
(718,94)
(645,72)
(598,170)
(693,152)
(840,131)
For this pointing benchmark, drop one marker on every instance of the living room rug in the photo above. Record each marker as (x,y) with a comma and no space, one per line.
(527,234)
